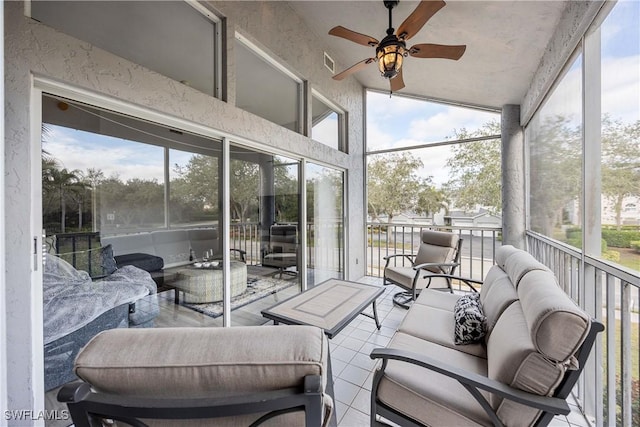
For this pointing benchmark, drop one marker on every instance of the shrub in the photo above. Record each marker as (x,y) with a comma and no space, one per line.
(613,256)
(636,245)
(620,239)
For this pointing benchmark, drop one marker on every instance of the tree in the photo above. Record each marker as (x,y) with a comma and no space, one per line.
(620,162)
(60,185)
(476,170)
(245,188)
(392,184)
(430,199)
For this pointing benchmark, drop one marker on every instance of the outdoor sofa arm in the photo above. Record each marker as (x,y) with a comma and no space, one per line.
(467,281)
(85,404)
(410,257)
(473,382)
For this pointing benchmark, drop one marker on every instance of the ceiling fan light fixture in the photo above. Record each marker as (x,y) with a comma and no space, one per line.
(390,57)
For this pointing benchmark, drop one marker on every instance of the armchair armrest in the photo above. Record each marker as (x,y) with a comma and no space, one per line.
(474,382)
(388,258)
(241,252)
(465,280)
(435,264)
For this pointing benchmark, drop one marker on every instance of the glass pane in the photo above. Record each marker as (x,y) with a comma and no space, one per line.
(266,91)
(143,32)
(555,144)
(265,203)
(113,257)
(450,187)
(325,232)
(399,121)
(326,124)
(193,189)
(621,134)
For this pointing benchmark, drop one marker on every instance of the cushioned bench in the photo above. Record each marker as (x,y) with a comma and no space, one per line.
(236,375)
(535,343)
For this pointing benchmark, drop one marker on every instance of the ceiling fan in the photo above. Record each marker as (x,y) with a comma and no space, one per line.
(391,51)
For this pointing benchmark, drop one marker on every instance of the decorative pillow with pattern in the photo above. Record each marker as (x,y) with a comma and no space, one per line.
(98,262)
(470,321)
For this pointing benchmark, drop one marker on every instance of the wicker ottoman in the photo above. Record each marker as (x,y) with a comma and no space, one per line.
(200,285)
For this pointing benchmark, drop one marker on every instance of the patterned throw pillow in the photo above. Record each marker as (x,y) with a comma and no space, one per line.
(470,321)
(98,262)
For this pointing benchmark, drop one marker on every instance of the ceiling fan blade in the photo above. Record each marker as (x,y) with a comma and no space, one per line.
(397,82)
(348,34)
(414,22)
(354,68)
(428,50)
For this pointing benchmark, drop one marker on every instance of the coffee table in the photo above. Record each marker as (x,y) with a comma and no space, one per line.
(330,305)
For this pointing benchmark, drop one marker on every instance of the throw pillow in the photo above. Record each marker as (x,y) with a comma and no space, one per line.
(98,262)
(470,321)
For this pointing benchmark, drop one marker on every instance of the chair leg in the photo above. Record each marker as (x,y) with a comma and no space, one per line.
(403,299)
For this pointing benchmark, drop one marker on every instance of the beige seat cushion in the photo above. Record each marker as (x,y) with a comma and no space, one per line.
(431,398)
(437,325)
(203,362)
(437,299)
(403,276)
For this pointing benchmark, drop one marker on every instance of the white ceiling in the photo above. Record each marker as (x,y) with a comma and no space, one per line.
(505,41)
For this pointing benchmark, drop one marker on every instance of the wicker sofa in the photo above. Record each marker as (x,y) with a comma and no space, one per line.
(535,345)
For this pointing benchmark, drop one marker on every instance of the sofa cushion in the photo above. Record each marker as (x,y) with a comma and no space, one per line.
(191,362)
(469,320)
(144,262)
(437,299)
(130,243)
(503,253)
(520,263)
(204,239)
(172,246)
(513,360)
(496,295)
(199,362)
(435,325)
(431,398)
(557,326)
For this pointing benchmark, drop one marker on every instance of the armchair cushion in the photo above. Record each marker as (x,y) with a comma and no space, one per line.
(403,277)
(436,247)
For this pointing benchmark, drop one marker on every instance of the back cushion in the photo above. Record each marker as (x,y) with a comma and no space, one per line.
(204,239)
(503,253)
(172,246)
(557,326)
(436,247)
(130,243)
(513,359)
(496,295)
(284,238)
(520,263)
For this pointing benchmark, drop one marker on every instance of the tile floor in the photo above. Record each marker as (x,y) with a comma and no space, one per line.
(352,367)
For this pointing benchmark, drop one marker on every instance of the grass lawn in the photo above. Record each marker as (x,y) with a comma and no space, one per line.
(635,367)
(630,258)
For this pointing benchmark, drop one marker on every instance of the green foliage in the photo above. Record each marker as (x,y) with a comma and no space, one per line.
(620,239)
(635,245)
(613,256)
(475,176)
(392,184)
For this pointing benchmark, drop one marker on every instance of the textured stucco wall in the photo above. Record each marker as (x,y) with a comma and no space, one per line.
(575,20)
(32,49)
